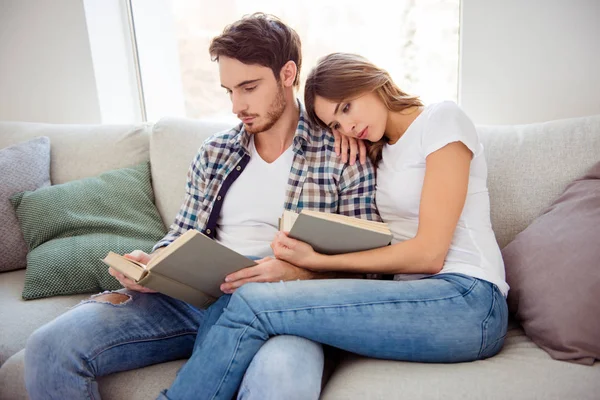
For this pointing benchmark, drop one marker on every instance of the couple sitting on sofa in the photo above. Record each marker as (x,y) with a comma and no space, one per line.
(446,302)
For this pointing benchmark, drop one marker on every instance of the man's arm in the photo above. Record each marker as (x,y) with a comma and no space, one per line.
(356,192)
(185,220)
(357,199)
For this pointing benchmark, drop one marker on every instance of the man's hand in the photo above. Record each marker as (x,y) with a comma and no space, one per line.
(267,270)
(139,256)
(343,144)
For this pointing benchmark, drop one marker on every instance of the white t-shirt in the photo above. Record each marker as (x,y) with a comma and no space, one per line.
(251,209)
(473,250)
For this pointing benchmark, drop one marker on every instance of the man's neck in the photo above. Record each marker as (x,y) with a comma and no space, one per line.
(274,142)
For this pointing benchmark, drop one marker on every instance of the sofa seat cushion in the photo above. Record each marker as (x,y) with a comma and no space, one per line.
(520,371)
(138,384)
(19,318)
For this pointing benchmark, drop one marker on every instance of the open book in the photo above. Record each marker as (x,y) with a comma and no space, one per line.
(333,233)
(191,268)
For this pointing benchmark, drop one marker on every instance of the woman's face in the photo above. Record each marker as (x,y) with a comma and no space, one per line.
(364,117)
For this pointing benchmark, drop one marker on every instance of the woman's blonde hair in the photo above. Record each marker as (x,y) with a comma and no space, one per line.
(343,76)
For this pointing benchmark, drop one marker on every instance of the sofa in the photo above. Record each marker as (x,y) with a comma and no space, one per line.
(525,174)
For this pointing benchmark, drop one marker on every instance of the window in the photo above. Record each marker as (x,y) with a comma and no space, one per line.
(416,41)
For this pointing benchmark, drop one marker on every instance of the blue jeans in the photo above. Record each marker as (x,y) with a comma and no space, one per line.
(444,318)
(64,357)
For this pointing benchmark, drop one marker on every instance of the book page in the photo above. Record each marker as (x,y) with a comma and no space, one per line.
(177,243)
(344,219)
(287,220)
(130,268)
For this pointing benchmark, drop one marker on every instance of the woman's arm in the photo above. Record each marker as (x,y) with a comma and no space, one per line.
(442,200)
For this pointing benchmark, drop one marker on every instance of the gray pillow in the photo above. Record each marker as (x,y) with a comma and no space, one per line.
(553,269)
(24,166)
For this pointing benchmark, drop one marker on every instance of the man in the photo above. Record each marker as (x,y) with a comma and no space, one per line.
(238,185)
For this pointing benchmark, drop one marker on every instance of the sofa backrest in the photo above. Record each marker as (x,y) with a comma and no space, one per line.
(81,151)
(173,144)
(530,165)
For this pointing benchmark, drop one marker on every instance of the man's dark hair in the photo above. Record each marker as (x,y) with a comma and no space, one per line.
(259,39)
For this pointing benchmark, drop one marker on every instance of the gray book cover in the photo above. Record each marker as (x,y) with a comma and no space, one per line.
(202,264)
(330,237)
(177,290)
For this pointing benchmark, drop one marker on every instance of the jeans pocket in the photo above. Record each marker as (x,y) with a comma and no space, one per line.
(494,326)
(464,284)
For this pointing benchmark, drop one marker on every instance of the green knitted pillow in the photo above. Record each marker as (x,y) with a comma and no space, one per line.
(70,227)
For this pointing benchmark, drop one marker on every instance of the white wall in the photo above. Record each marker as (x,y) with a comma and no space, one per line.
(46,71)
(521,61)
(529,61)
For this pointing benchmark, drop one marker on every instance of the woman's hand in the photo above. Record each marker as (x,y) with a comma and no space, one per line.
(344,144)
(294,251)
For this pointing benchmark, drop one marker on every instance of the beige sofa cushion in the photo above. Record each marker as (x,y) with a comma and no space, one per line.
(81,151)
(520,371)
(138,384)
(530,165)
(173,145)
(19,318)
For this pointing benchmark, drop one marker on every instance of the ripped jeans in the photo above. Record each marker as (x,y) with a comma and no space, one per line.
(95,338)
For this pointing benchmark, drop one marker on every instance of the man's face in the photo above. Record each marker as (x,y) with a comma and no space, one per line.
(257,97)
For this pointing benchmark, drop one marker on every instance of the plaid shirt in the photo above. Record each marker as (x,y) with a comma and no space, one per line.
(318,179)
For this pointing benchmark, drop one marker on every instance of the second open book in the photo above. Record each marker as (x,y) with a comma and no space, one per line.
(193,266)
(334,233)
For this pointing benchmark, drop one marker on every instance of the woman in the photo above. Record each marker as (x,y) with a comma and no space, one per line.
(447,301)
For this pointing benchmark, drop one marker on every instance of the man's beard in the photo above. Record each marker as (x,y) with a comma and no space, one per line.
(276,111)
